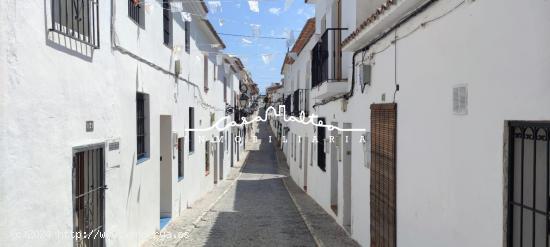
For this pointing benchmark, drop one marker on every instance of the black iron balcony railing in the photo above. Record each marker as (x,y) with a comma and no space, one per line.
(76,19)
(326,63)
(300,102)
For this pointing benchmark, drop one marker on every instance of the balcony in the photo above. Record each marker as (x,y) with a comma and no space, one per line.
(326,65)
(300,102)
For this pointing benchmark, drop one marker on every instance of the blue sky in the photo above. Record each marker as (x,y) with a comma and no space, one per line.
(274,21)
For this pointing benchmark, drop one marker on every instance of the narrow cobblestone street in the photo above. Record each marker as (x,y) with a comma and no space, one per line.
(258,205)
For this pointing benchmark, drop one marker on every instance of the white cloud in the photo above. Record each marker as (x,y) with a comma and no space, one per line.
(275,11)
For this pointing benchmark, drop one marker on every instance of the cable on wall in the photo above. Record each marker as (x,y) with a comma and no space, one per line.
(393,42)
(124,51)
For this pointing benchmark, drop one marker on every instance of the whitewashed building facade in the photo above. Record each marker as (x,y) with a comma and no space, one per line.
(451,94)
(94,105)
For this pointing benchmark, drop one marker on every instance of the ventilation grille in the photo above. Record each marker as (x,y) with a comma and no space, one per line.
(460,100)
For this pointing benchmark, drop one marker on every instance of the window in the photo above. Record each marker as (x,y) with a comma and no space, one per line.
(167,23)
(187,36)
(77,19)
(295,146)
(205,72)
(207,157)
(214,70)
(181,144)
(191,126)
(136,12)
(142,120)
(321,145)
(528,205)
(225,90)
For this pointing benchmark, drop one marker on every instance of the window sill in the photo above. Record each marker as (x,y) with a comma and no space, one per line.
(142,159)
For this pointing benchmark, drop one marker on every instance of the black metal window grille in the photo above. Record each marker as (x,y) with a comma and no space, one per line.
(288,103)
(77,19)
(136,12)
(191,126)
(300,102)
(296,103)
(141,126)
(207,157)
(88,175)
(187,36)
(321,156)
(528,184)
(304,101)
(181,153)
(325,56)
(167,23)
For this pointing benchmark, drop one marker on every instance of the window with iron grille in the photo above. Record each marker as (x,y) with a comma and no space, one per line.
(77,19)
(191,126)
(181,153)
(167,23)
(136,12)
(142,120)
(187,36)
(528,207)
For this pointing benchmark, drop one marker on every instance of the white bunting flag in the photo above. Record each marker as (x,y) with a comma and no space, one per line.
(266,58)
(215,6)
(255,29)
(254,6)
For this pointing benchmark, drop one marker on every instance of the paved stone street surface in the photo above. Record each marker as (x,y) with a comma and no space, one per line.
(256,211)
(253,207)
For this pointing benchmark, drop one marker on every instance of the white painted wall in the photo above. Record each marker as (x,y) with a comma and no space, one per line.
(449,168)
(50,87)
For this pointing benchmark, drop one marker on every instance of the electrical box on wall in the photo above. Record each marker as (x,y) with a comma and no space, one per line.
(112,157)
(363,75)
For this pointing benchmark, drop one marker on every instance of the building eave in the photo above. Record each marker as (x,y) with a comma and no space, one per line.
(386,16)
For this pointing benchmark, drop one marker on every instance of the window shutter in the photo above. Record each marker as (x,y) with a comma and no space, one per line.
(383,175)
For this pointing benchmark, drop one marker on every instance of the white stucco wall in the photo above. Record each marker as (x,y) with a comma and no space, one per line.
(450,183)
(49,88)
